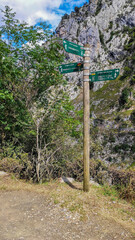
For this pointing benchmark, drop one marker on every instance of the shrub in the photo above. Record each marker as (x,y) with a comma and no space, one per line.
(99,6)
(112,138)
(133,58)
(111,36)
(132,82)
(110,24)
(124,180)
(133,117)
(66,16)
(76,9)
(15,160)
(124,97)
(10,165)
(133,148)
(101,36)
(127,71)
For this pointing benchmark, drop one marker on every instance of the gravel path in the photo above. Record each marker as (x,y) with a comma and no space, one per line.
(31,216)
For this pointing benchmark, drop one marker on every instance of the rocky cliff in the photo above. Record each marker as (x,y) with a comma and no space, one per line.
(109,28)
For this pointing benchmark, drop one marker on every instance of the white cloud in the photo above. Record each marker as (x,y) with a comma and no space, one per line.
(32,10)
(48,10)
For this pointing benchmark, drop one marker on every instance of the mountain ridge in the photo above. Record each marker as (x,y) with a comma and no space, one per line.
(109,28)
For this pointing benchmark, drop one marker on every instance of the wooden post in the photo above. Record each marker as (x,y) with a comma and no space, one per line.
(86,117)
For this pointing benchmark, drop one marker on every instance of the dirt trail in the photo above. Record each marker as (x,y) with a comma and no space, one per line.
(31,216)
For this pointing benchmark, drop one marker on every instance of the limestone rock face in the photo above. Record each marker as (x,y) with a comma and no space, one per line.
(100,24)
(105,25)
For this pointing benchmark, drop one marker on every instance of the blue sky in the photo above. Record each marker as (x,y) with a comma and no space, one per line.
(32,11)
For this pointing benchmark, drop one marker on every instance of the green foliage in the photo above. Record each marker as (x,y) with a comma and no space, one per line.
(109,95)
(99,6)
(76,9)
(129,46)
(101,36)
(133,58)
(65,16)
(124,183)
(14,117)
(112,138)
(132,82)
(109,191)
(133,148)
(111,36)
(26,70)
(124,97)
(133,117)
(123,147)
(78,31)
(127,192)
(131,43)
(110,24)
(15,160)
(127,71)
(85,23)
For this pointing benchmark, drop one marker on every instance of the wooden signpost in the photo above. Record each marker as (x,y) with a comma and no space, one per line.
(86,118)
(87,77)
(75,67)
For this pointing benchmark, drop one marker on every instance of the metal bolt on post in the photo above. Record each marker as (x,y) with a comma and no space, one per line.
(86,116)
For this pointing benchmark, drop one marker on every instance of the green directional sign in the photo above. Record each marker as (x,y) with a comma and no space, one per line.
(71,67)
(104,75)
(73,48)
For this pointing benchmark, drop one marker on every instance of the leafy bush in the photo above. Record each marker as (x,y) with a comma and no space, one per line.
(123,147)
(132,82)
(20,167)
(133,117)
(127,71)
(124,180)
(133,58)
(10,165)
(101,36)
(110,24)
(124,97)
(133,148)
(112,138)
(15,160)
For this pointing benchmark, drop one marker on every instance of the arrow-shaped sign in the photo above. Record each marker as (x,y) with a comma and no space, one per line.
(71,67)
(73,48)
(111,74)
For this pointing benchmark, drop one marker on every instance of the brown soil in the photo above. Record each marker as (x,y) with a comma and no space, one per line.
(27,214)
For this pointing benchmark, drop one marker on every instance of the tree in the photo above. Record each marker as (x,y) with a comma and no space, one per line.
(35,112)
(56,125)
(27,68)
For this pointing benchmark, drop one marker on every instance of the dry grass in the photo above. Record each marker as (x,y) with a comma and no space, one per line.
(11,183)
(95,202)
